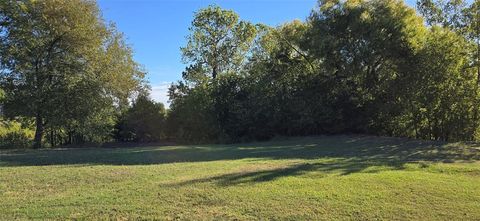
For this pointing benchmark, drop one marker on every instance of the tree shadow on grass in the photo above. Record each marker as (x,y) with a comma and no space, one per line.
(340,167)
(356,153)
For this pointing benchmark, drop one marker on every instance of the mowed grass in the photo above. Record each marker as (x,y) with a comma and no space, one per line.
(315,178)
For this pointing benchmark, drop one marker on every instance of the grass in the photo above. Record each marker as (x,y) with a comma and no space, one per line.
(316,178)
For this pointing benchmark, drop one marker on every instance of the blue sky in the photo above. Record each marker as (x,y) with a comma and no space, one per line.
(156,29)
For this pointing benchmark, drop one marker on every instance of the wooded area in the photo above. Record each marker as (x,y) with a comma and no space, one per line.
(374,67)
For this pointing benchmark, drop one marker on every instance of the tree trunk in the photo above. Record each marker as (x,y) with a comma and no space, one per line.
(70,137)
(37,142)
(214,73)
(52,138)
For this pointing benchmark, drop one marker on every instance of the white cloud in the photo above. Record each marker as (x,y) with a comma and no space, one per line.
(159,93)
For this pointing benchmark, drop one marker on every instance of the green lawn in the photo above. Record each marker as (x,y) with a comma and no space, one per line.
(316,178)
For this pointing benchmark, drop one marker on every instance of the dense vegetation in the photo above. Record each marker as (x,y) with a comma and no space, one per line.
(357,66)
(371,67)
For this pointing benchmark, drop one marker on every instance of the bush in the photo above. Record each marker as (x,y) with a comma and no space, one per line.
(14,135)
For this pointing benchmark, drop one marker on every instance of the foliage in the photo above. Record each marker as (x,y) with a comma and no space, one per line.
(63,66)
(218,42)
(353,67)
(190,118)
(144,121)
(445,96)
(2,95)
(13,134)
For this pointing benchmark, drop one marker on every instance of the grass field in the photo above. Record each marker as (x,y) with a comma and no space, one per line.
(316,178)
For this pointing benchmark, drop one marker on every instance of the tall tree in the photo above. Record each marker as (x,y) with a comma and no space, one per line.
(365,48)
(61,64)
(218,42)
(444,89)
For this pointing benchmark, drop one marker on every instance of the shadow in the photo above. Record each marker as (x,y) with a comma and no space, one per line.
(253,176)
(342,168)
(352,154)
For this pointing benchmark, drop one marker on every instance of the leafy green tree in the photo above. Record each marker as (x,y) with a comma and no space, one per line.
(460,16)
(144,121)
(191,116)
(218,42)
(365,47)
(62,65)
(283,72)
(445,89)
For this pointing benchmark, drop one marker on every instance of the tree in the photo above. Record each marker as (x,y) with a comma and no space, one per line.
(458,16)
(445,89)
(280,78)
(355,66)
(144,121)
(366,48)
(218,42)
(218,45)
(62,65)
(462,17)
(191,116)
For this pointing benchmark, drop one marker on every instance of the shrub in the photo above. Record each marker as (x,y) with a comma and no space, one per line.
(14,135)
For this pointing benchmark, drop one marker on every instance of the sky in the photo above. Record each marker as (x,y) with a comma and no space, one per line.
(156,29)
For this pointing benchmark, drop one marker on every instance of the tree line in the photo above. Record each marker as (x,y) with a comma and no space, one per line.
(356,66)
(375,67)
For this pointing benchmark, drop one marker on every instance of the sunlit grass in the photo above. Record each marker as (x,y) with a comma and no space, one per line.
(340,177)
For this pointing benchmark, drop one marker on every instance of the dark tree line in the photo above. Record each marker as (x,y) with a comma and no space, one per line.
(375,67)
(356,66)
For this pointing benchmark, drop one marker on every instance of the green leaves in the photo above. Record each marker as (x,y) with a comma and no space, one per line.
(218,42)
(354,66)
(64,66)
(446,89)
(2,95)
(143,122)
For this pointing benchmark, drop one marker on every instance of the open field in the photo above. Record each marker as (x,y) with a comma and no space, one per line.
(316,178)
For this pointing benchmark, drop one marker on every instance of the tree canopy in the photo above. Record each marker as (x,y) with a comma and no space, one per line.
(63,66)
(355,66)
